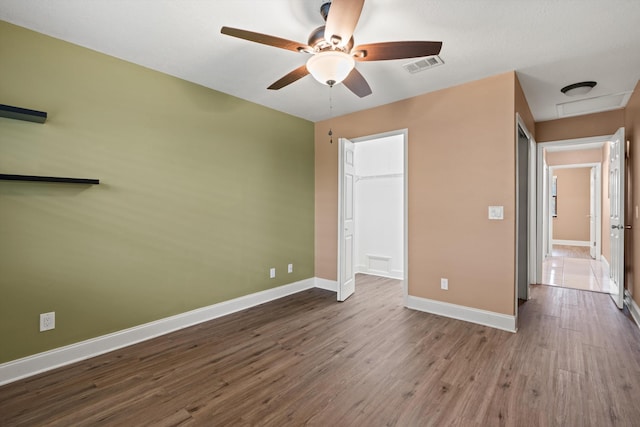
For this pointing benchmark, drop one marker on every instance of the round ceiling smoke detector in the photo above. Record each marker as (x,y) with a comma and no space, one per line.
(577,89)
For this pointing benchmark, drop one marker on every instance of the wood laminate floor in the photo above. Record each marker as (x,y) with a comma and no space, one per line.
(309,360)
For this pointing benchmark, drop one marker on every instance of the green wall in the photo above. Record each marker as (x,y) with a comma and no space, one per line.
(200,194)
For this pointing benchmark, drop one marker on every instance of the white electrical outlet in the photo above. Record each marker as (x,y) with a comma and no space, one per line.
(47,321)
(290,268)
(272,273)
(444,284)
(496,212)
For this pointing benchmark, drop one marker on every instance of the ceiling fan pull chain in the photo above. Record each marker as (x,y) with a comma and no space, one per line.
(330,113)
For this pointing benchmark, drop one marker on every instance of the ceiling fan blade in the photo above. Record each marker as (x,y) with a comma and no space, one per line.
(356,83)
(296,74)
(265,39)
(396,50)
(342,20)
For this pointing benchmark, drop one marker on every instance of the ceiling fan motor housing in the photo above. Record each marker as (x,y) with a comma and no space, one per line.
(319,43)
(324,10)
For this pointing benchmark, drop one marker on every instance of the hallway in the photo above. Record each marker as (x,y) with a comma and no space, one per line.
(573,267)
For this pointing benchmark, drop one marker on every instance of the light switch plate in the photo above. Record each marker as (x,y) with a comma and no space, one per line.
(496,212)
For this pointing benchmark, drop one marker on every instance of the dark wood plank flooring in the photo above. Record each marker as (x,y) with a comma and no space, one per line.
(309,360)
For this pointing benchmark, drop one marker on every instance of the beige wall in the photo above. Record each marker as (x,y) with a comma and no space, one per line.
(201,193)
(574,157)
(522,108)
(572,222)
(461,152)
(632,127)
(597,124)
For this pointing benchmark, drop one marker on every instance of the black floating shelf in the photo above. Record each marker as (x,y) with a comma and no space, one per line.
(22,114)
(33,178)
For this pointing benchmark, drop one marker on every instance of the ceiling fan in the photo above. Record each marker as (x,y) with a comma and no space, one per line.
(332,48)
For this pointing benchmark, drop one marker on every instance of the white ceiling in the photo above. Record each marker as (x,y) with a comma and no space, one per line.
(550,43)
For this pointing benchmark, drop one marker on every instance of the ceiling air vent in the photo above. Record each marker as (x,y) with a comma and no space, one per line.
(423,64)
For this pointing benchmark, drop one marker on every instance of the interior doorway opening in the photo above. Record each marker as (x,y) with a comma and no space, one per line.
(373,229)
(526,242)
(575,199)
(576,251)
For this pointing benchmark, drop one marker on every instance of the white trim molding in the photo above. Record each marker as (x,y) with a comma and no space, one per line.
(468,314)
(326,284)
(571,242)
(396,274)
(633,308)
(48,360)
(392,274)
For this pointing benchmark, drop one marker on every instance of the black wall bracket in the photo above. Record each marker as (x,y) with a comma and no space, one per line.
(22,114)
(34,178)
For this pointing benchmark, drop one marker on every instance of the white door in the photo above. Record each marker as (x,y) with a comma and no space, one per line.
(616,200)
(346,223)
(593,215)
(546,212)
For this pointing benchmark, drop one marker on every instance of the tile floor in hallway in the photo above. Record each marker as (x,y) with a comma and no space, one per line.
(573,267)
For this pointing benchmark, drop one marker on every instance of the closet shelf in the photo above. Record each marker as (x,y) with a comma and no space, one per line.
(22,114)
(34,178)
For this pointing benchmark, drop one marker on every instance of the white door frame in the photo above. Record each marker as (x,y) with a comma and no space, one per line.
(541,225)
(595,213)
(597,197)
(405,136)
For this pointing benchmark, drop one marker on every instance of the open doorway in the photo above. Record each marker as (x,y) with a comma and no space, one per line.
(575,214)
(525,212)
(372,228)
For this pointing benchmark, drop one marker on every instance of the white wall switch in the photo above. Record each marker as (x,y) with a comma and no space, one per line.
(290,268)
(272,273)
(496,212)
(47,321)
(444,284)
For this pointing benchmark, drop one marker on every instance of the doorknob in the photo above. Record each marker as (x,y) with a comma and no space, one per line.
(620,227)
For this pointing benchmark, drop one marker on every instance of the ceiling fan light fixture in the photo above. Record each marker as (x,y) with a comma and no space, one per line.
(578,89)
(330,67)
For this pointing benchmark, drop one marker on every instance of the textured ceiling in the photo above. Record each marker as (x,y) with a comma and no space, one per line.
(550,43)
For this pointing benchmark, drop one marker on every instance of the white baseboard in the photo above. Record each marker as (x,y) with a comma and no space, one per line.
(571,242)
(397,274)
(468,314)
(393,274)
(329,285)
(605,262)
(42,362)
(633,308)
